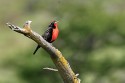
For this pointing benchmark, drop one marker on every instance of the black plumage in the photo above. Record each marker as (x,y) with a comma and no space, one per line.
(47,35)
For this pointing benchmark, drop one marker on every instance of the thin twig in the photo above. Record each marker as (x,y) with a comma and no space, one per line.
(51,69)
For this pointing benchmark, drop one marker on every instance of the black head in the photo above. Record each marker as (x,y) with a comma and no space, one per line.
(53,24)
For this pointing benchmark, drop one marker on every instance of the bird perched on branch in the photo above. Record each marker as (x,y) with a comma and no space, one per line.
(51,34)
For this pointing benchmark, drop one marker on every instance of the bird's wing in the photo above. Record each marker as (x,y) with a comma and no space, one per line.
(48,34)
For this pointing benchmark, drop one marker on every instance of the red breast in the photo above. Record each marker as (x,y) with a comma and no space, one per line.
(55,34)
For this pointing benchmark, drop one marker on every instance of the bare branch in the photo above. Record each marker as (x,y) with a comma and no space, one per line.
(61,63)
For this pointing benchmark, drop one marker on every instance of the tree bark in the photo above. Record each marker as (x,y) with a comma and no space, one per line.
(61,63)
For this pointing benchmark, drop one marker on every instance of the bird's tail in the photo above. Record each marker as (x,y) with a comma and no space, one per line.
(36,49)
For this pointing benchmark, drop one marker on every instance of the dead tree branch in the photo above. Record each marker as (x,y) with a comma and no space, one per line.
(61,63)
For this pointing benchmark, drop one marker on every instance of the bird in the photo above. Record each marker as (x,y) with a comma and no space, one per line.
(50,35)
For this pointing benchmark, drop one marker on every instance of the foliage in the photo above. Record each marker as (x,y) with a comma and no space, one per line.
(91,38)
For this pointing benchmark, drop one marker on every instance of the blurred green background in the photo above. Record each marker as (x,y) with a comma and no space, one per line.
(92,39)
